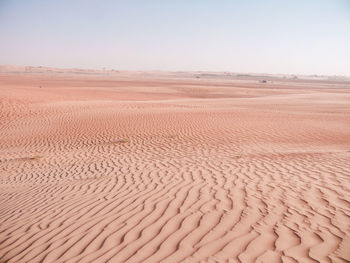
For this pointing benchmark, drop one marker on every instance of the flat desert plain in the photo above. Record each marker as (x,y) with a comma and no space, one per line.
(173,167)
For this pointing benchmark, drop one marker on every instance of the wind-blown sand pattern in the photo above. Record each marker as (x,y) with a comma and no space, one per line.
(164,168)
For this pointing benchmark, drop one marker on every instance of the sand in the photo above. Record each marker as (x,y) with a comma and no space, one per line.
(155,167)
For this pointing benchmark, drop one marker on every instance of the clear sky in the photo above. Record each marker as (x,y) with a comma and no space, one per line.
(270,36)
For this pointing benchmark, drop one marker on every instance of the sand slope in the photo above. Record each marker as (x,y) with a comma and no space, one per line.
(132,169)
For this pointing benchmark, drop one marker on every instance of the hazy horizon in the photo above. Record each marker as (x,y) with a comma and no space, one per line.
(293,37)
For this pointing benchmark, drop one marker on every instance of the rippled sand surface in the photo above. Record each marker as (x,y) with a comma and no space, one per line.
(133,168)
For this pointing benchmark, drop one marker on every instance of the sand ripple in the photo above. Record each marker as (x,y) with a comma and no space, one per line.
(261,179)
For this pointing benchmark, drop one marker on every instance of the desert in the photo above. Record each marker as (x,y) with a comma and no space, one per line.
(123,166)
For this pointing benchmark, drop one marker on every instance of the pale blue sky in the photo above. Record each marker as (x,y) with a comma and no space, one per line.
(285,36)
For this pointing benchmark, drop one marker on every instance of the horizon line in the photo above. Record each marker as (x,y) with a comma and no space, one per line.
(105,68)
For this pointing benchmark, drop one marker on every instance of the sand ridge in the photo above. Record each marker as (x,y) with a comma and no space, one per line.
(169,169)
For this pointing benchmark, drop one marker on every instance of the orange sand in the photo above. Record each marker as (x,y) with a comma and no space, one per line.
(135,167)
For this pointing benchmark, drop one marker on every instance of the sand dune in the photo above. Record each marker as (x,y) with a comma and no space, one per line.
(168,169)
